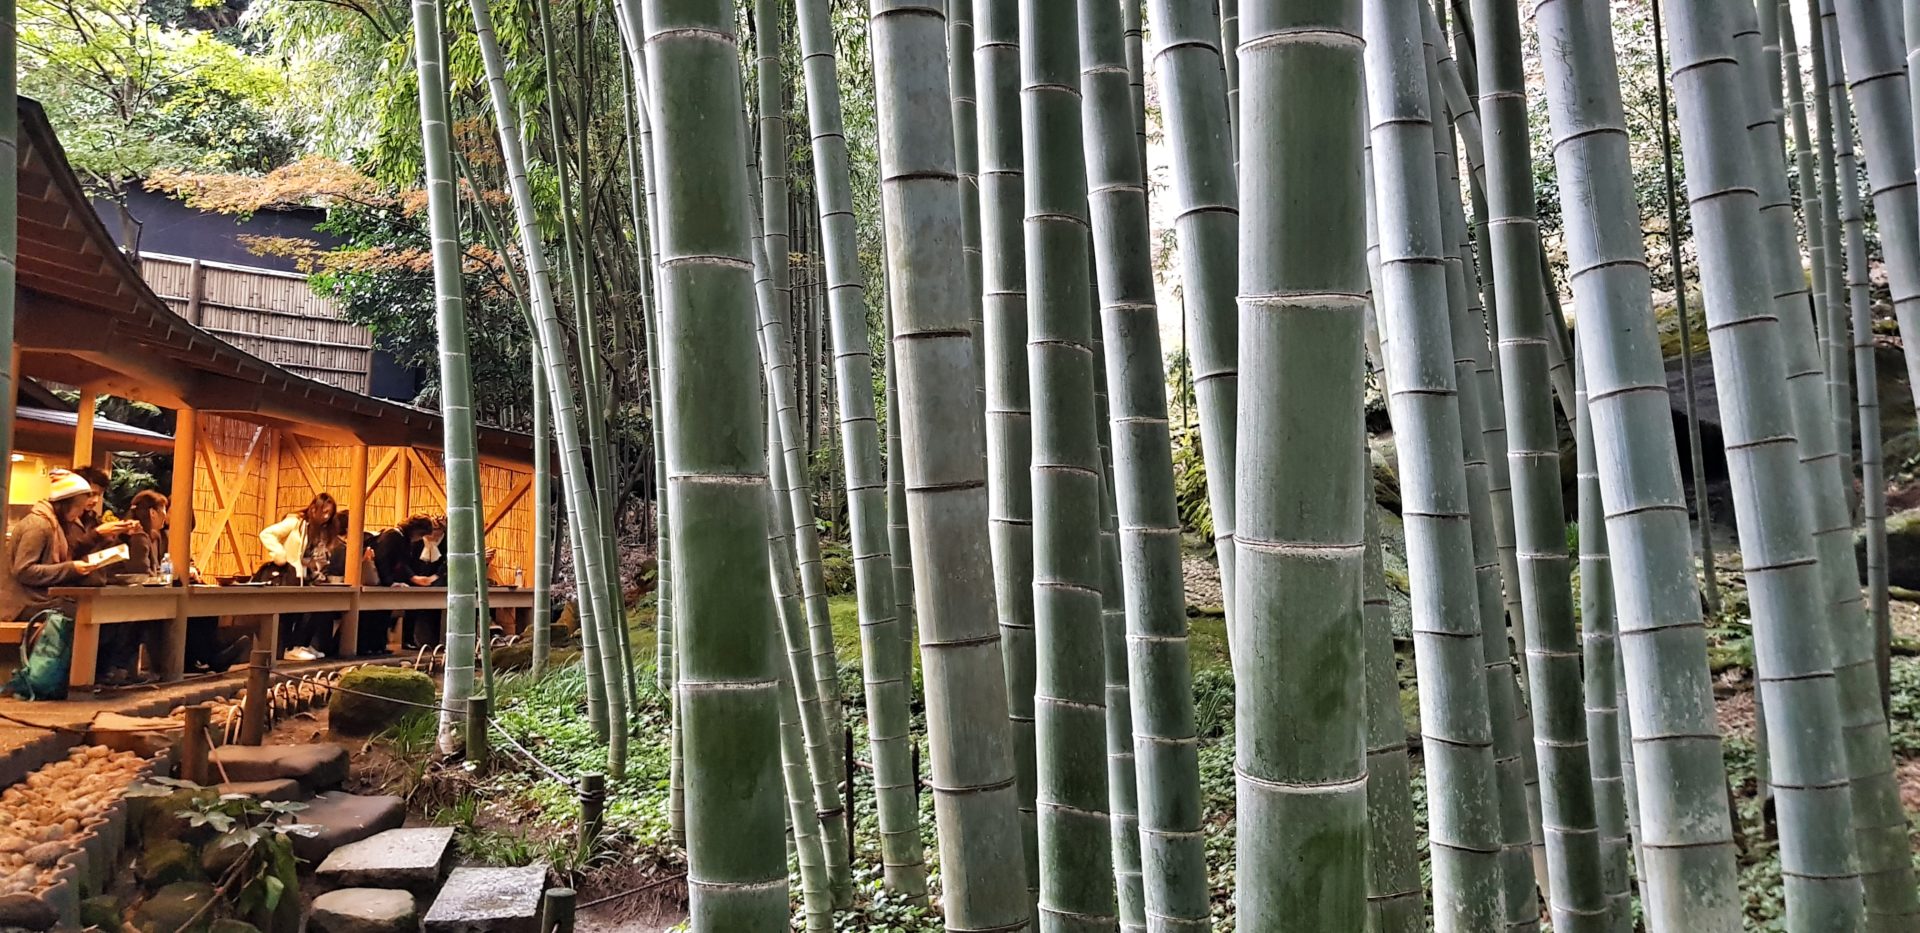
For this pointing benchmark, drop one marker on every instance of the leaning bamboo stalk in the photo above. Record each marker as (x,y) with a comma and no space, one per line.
(1123,786)
(1076,859)
(886,679)
(1148,665)
(1449,647)
(1009,415)
(1300,775)
(945,477)
(1719,97)
(717,462)
(1879,818)
(966,157)
(1852,219)
(1206,227)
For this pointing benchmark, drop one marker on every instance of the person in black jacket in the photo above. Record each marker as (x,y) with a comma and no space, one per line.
(397,561)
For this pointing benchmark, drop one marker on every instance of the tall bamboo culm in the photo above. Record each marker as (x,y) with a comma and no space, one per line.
(1153,648)
(1009,413)
(1207,229)
(944,471)
(542,495)
(1395,898)
(1299,709)
(966,156)
(9,215)
(887,681)
(729,675)
(1069,704)
(1716,101)
(1852,222)
(1418,359)
(456,384)
(1875,66)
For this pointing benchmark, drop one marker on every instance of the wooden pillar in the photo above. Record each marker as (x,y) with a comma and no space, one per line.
(83,428)
(403,489)
(196,291)
(186,439)
(12,401)
(356,535)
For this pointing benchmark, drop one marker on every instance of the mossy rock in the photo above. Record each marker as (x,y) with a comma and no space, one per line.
(172,909)
(159,817)
(104,911)
(838,570)
(166,861)
(514,657)
(1903,549)
(355,714)
(566,624)
(232,926)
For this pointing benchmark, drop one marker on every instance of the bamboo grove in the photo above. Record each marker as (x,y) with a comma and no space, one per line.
(970,368)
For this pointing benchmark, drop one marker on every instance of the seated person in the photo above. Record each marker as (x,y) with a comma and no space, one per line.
(397,559)
(96,530)
(146,552)
(302,542)
(38,558)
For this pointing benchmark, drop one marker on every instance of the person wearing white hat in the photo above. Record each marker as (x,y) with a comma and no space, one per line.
(38,557)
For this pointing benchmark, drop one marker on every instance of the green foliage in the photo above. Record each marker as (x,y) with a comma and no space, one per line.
(1190,482)
(263,883)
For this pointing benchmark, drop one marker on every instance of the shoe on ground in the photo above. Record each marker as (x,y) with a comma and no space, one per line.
(240,650)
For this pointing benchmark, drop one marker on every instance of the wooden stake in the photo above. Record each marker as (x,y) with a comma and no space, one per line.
(253,715)
(194,744)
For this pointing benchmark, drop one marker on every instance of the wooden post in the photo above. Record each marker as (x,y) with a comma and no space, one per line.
(186,439)
(12,401)
(557,912)
(403,490)
(196,290)
(194,744)
(593,802)
(478,750)
(848,816)
(356,534)
(253,714)
(83,428)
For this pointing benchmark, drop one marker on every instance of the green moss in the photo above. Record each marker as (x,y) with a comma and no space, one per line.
(166,861)
(104,911)
(357,714)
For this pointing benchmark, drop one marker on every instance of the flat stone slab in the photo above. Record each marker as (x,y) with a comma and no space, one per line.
(341,819)
(411,859)
(278,790)
(363,910)
(317,767)
(489,900)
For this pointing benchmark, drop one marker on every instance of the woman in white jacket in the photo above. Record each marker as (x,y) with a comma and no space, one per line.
(303,541)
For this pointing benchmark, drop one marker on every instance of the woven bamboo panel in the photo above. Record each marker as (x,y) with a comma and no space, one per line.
(263,475)
(271,315)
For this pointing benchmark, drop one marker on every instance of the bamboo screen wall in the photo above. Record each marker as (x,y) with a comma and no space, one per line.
(247,477)
(271,315)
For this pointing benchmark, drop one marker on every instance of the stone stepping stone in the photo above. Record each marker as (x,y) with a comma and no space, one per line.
(340,819)
(489,900)
(278,790)
(411,859)
(363,910)
(317,767)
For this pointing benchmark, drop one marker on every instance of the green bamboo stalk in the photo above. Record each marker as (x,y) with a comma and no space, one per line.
(888,681)
(819,728)
(1599,651)
(1876,73)
(1880,820)
(966,154)
(1852,220)
(1147,661)
(899,540)
(1552,640)
(1206,227)
(1417,355)
(1134,30)
(542,495)
(1394,896)
(1123,787)
(1076,860)
(1733,181)
(1230,44)
(456,381)
(944,467)
(1300,713)
(1009,410)
(729,674)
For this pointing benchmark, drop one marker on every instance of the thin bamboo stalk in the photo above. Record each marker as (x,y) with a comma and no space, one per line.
(966,155)
(1147,662)
(888,682)
(1009,412)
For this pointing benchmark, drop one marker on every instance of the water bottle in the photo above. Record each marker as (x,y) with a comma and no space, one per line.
(166,571)
(519,578)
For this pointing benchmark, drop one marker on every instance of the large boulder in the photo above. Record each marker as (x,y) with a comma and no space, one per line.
(317,767)
(1903,550)
(357,708)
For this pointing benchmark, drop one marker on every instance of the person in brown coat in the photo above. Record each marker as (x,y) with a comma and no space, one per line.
(37,552)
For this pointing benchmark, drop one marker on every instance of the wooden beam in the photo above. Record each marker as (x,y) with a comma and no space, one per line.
(306,467)
(505,508)
(435,484)
(380,470)
(83,427)
(226,499)
(404,499)
(356,515)
(186,439)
